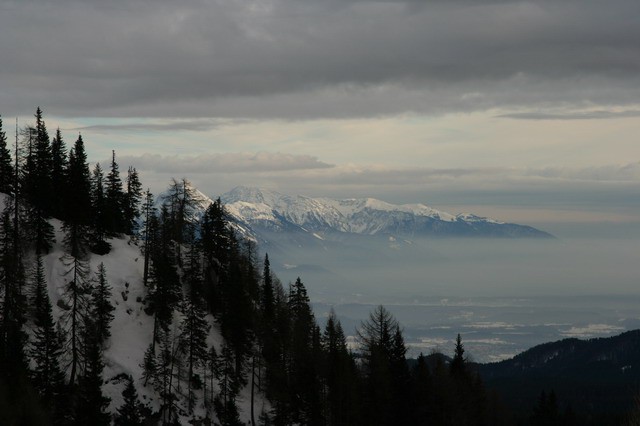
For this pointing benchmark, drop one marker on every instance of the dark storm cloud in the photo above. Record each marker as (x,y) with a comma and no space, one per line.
(301,59)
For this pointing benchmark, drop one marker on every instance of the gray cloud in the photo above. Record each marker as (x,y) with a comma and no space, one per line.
(302,59)
(224,163)
(586,115)
(196,125)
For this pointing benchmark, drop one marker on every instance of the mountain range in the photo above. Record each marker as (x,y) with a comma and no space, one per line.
(260,211)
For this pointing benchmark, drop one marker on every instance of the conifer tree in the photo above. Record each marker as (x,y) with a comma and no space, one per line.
(37,186)
(422,391)
(75,296)
(100,213)
(78,207)
(218,245)
(129,413)
(458,363)
(46,347)
(376,342)
(341,375)
(132,201)
(303,376)
(42,195)
(267,302)
(6,168)
(12,282)
(149,366)
(59,170)
(101,307)
(193,341)
(92,404)
(166,383)
(149,231)
(114,199)
(225,402)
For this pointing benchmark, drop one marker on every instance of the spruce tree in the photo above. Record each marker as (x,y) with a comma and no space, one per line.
(12,282)
(37,186)
(225,402)
(458,363)
(42,195)
(59,170)
(133,199)
(92,404)
(376,342)
(78,206)
(101,307)
(149,366)
(129,413)
(100,213)
(6,168)
(75,299)
(46,346)
(115,199)
(150,227)
(193,341)
(340,375)
(302,371)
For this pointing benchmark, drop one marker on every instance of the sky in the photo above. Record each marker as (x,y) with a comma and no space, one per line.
(526,111)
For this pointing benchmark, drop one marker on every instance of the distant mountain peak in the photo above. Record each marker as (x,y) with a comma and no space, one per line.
(261,208)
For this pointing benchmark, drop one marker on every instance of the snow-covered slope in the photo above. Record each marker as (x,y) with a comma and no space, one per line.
(131,328)
(270,210)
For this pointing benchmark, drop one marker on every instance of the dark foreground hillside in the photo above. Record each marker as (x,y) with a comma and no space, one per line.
(594,379)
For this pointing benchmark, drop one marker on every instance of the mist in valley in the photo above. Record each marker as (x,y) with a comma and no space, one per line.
(502,295)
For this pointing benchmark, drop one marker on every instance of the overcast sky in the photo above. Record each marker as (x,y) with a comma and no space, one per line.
(528,111)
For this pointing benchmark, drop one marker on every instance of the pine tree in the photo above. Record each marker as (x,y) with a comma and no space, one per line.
(59,170)
(150,228)
(75,298)
(37,186)
(78,206)
(115,199)
(101,307)
(129,413)
(166,383)
(42,195)
(132,201)
(219,246)
(267,302)
(376,345)
(458,363)
(99,245)
(341,375)
(225,402)
(92,404)
(12,281)
(304,386)
(149,366)
(46,347)
(193,341)
(422,390)
(6,168)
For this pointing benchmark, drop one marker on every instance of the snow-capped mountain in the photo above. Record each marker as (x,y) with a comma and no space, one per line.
(260,209)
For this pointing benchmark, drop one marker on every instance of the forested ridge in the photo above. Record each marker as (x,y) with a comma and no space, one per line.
(199,280)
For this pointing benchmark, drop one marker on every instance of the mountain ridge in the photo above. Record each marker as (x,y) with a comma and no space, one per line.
(262,209)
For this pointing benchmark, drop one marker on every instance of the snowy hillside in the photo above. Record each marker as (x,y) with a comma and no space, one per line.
(131,328)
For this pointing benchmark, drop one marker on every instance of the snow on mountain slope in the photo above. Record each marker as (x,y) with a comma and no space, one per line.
(131,328)
(271,210)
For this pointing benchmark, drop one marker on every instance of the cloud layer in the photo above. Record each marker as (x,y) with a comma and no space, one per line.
(309,59)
